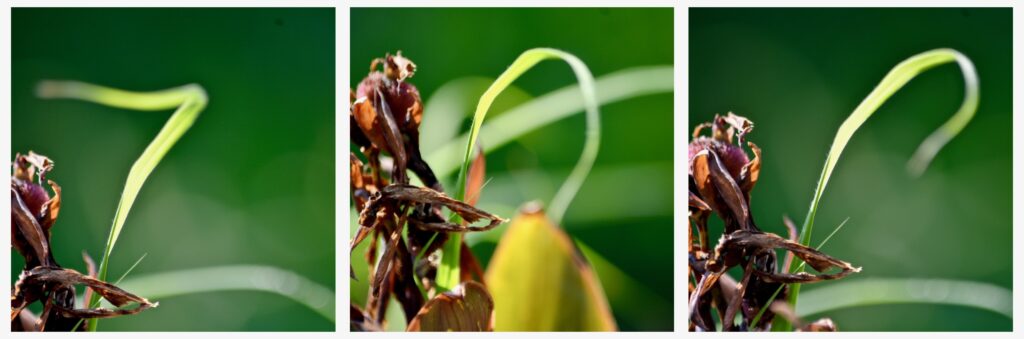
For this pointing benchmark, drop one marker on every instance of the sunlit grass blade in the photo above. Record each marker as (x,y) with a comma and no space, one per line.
(189,100)
(890,84)
(448,272)
(235,278)
(551,107)
(449,105)
(887,291)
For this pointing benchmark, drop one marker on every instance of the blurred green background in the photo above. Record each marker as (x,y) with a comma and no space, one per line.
(797,74)
(624,209)
(251,183)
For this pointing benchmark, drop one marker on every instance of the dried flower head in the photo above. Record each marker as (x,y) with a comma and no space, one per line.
(722,177)
(386,115)
(33,214)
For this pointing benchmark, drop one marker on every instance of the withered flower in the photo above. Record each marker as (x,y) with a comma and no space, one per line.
(386,114)
(722,177)
(33,214)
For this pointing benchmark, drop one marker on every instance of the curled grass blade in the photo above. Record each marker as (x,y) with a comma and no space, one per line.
(887,291)
(551,107)
(890,84)
(448,272)
(189,100)
(235,278)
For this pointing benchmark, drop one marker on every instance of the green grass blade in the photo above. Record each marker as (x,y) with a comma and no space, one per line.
(552,107)
(448,272)
(888,291)
(189,100)
(890,84)
(235,278)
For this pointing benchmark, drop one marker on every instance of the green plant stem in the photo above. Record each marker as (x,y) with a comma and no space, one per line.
(189,100)
(890,84)
(448,272)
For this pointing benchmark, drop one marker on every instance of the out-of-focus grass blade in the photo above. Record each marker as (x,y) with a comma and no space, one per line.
(882,291)
(541,282)
(448,272)
(189,100)
(892,82)
(235,278)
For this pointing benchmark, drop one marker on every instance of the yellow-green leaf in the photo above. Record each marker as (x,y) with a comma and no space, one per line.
(541,282)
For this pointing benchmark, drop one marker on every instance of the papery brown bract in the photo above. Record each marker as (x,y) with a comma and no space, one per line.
(722,177)
(33,215)
(467,307)
(407,220)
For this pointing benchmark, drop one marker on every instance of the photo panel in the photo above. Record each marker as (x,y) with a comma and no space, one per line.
(909,225)
(174,169)
(512,169)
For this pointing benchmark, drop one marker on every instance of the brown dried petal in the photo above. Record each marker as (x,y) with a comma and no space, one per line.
(716,184)
(422,195)
(751,171)
(398,68)
(67,277)
(468,307)
(36,246)
(756,242)
(392,136)
(51,209)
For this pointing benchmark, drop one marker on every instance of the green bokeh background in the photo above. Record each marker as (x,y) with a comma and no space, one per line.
(797,74)
(251,183)
(624,209)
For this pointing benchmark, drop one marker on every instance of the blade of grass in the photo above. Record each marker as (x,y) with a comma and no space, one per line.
(890,84)
(448,272)
(274,280)
(189,100)
(130,269)
(551,107)
(888,291)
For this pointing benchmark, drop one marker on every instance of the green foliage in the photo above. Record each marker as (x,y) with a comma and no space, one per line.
(189,100)
(890,84)
(448,272)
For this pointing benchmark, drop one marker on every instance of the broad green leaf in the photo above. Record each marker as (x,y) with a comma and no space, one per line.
(189,100)
(541,282)
(890,84)
(448,272)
